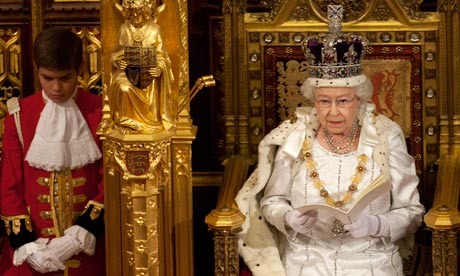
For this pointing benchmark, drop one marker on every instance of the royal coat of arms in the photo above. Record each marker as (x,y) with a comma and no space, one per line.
(140,60)
(137,162)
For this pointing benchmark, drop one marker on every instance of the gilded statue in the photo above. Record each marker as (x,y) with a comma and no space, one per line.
(140,95)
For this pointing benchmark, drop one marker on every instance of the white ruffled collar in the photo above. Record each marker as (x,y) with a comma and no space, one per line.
(62,138)
(307,124)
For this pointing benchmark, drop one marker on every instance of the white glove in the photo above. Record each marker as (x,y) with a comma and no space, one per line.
(368,225)
(301,223)
(63,247)
(36,257)
(75,240)
(44,262)
(25,250)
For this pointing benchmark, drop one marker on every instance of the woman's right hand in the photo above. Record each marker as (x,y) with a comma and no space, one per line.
(301,223)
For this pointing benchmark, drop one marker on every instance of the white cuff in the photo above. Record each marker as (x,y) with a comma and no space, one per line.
(85,238)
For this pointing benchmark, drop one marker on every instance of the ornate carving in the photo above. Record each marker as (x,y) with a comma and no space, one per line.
(139,192)
(155,154)
(226,252)
(91,77)
(10,71)
(184,65)
(137,162)
(444,252)
(381,12)
(301,12)
(10,61)
(227,7)
(182,157)
(451,251)
(353,10)
(273,6)
(412,9)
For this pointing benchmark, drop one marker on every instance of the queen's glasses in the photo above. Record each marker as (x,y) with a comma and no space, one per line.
(339,102)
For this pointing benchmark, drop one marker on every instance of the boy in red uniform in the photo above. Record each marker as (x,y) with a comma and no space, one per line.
(52,175)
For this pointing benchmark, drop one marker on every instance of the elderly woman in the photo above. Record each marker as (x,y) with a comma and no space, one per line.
(329,155)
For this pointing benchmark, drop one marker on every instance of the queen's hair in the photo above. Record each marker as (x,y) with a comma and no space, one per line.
(363,90)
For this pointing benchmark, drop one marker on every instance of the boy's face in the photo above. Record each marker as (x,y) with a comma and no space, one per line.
(58,85)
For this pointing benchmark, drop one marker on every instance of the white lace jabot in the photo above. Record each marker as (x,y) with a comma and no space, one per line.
(62,139)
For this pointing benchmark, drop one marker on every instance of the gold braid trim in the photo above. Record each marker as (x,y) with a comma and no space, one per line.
(16,225)
(95,211)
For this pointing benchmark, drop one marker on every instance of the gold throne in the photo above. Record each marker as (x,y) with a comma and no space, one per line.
(264,67)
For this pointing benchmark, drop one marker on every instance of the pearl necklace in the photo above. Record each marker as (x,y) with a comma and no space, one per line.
(311,166)
(344,145)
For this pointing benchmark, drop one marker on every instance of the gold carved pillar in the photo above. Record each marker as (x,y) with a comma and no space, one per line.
(449,83)
(148,184)
(136,171)
(444,218)
(236,103)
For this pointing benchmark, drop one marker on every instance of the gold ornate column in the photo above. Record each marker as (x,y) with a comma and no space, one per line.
(137,169)
(236,103)
(226,220)
(444,217)
(148,184)
(449,83)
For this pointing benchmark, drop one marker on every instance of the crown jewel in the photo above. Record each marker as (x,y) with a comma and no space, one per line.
(334,55)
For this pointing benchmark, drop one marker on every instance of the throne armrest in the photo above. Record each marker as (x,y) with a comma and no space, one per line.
(226,220)
(444,218)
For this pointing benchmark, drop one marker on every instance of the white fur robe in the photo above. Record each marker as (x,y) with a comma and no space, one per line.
(261,244)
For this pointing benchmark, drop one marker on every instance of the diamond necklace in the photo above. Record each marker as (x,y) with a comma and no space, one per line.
(356,178)
(344,145)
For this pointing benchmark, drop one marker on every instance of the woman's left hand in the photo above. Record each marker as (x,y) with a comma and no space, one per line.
(368,225)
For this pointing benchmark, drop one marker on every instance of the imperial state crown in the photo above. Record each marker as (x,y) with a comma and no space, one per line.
(335,55)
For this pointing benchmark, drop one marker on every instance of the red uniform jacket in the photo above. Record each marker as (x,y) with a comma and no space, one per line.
(21,194)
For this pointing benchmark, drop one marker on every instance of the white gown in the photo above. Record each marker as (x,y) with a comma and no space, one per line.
(319,252)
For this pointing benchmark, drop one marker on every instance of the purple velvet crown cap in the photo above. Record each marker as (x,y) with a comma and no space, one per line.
(349,49)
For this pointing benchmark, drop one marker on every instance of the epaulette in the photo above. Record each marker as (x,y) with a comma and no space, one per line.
(14,108)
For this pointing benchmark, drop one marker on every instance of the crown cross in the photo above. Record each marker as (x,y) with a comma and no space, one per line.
(335,18)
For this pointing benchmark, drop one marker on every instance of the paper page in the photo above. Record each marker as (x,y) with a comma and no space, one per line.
(327,209)
(379,186)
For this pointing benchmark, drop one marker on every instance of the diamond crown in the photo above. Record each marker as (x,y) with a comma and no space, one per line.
(334,55)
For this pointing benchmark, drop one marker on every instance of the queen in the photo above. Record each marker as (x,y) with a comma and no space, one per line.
(140,94)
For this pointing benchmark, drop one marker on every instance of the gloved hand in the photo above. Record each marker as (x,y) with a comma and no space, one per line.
(63,247)
(301,223)
(74,240)
(25,250)
(44,262)
(36,257)
(368,225)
